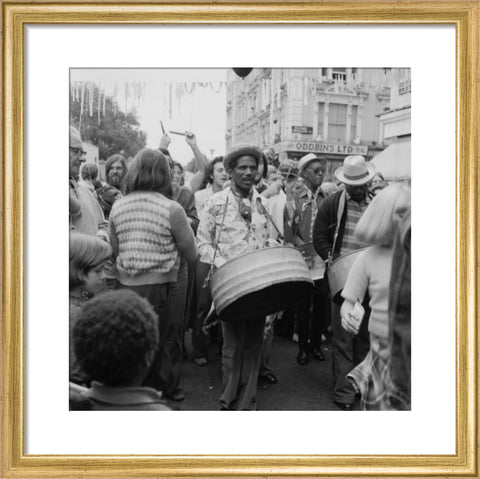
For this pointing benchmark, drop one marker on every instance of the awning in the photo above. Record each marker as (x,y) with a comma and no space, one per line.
(394,162)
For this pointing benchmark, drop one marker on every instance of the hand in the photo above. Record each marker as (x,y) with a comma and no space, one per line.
(190,138)
(273,189)
(165,141)
(349,322)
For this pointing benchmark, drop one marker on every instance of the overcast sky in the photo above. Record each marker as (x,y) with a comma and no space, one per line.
(202,111)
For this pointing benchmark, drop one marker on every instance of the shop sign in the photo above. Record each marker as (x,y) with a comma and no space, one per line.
(320,147)
(306,130)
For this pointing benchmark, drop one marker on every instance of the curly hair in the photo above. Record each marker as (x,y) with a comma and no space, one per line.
(115,337)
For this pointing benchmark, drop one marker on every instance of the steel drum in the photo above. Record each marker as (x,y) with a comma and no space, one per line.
(338,270)
(259,283)
(315,263)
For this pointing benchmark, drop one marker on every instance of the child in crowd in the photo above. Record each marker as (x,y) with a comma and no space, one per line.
(371,272)
(88,256)
(115,339)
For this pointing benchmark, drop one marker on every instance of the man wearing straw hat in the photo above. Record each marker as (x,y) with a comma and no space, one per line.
(333,237)
(232,223)
(298,231)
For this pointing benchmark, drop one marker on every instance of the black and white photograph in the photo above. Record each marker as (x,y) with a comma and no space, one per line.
(239,239)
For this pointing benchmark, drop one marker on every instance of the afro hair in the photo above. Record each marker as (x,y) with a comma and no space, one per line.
(115,337)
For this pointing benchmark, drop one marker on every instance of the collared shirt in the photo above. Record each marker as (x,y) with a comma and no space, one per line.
(221,220)
(305,206)
(90,220)
(202,196)
(354,212)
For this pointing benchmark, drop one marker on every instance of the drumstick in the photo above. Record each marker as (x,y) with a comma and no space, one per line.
(163,129)
(176,133)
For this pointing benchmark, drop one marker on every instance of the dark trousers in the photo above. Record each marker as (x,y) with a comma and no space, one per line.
(241,355)
(203,304)
(159,296)
(348,350)
(174,340)
(313,314)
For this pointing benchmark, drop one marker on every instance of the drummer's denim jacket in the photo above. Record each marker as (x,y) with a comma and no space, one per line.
(222,220)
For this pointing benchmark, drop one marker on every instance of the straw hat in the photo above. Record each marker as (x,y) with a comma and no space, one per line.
(355,171)
(242,150)
(307,159)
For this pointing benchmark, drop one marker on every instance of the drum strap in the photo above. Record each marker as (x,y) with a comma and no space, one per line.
(217,241)
(262,210)
(341,209)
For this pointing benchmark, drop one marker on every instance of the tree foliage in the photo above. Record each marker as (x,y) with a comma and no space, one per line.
(112,131)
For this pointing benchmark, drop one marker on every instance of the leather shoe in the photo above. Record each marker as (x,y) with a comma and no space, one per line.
(345,406)
(269,378)
(200,362)
(176,396)
(303,358)
(318,355)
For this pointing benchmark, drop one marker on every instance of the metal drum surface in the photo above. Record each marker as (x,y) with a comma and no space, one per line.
(338,271)
(259,283)
(315,264)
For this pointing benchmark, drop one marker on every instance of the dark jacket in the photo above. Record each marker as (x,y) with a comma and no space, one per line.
(185,197)
(325,225)
(297,228)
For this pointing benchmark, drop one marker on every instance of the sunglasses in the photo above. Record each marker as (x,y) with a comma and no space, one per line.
(317,171)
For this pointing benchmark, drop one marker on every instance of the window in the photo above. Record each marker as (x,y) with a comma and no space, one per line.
(321,115)
(337,122)
(405,87)
(353,122)
(339,74)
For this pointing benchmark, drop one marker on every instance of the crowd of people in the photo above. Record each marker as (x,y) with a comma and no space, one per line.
(145,244)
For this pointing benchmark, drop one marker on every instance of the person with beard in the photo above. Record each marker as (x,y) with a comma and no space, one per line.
(107,194)
(85,214)
(333,236)
(234,222)
(116,169)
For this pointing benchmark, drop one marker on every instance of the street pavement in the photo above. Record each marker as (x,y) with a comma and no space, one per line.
(299,388)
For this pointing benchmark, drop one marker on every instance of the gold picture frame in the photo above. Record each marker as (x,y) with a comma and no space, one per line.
(464,15)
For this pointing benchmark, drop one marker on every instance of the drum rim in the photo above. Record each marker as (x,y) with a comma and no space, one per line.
(359,250)
(253,290)
(267,248)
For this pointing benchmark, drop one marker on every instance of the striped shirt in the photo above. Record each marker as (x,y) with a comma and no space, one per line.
(141,222)
(354,212)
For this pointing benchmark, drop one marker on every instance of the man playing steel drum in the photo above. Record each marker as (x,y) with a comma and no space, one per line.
(234,222)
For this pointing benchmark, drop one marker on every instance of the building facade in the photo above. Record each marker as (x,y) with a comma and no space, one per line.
(332,111)
(395,131)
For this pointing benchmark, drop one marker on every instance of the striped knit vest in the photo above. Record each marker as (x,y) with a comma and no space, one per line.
(142,225)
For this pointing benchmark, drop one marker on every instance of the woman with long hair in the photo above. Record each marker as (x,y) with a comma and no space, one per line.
(371,272)
(149,233)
